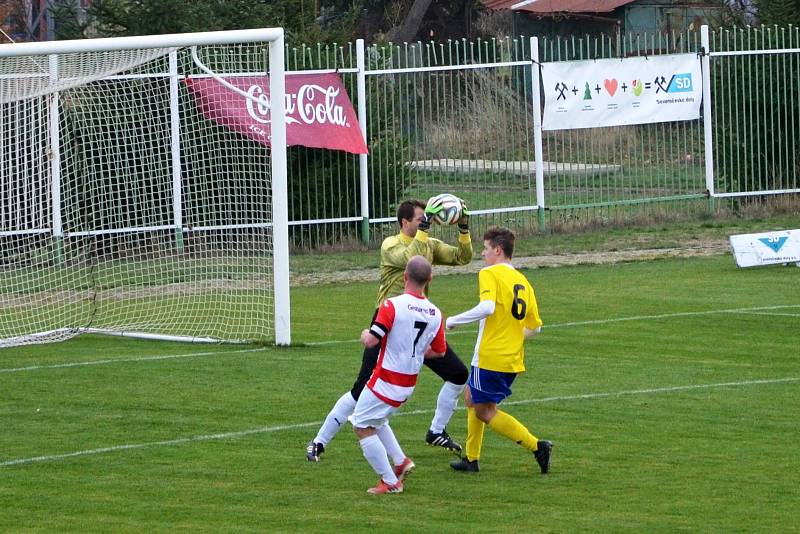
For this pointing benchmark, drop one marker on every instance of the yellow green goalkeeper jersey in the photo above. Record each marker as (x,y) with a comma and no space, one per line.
(501,336)
(398,249)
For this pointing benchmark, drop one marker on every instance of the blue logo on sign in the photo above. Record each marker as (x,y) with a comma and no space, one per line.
(680,83)
(775,243)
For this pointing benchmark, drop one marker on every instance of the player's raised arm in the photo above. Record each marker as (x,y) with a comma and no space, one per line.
(444,254)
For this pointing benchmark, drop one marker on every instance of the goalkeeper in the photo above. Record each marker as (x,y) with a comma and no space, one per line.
(414,218)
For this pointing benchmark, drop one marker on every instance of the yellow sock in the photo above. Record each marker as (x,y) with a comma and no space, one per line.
(475,429)
(506,425)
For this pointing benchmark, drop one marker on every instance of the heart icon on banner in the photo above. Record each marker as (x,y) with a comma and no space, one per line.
(611,86)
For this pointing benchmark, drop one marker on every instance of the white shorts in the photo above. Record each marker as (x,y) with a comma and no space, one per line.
(370,411)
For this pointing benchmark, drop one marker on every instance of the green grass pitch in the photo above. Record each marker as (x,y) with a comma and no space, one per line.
(670,389)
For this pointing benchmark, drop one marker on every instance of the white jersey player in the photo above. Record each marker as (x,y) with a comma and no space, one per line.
(409,328)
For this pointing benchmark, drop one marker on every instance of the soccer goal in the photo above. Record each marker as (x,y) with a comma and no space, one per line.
(126,206)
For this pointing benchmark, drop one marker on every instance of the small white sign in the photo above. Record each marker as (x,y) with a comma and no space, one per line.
(612,92)
(766,248)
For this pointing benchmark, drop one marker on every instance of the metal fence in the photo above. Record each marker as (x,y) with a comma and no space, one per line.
(756,111)
(461,117)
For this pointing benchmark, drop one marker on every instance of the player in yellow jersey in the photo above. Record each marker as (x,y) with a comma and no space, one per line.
(414,218)
(508,314)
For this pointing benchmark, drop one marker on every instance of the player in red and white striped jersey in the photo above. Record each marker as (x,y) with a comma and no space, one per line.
(396,250)
(409,328)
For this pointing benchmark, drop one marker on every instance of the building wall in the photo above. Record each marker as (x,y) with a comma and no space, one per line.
(638,18)
(551,28)
(648,16)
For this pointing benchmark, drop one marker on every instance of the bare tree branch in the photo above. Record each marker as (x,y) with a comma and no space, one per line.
(407,31)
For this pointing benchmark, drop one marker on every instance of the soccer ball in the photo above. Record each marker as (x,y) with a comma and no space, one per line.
(451,208)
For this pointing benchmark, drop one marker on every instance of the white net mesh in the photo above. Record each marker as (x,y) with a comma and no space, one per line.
(138,251)
(29,76)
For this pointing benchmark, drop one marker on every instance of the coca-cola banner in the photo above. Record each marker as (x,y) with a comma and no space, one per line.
(318,111)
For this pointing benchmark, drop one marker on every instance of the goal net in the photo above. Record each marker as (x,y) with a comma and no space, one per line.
(123,209)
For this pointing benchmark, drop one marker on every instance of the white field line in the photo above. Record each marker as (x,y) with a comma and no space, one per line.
(614,320)
(772,314)
(340,341)
(123,360)
(677,314)
(263,430)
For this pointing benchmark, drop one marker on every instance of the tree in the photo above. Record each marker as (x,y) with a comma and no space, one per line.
(301,19)
(424,19)
(408,30)
(305,21)
(778,11)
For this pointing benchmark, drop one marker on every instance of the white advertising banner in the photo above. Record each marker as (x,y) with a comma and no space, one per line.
(614,92)
(766,248)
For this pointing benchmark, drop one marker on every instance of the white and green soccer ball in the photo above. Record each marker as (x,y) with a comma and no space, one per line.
(451,208)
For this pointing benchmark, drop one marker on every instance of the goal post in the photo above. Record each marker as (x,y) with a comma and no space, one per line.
(124,209)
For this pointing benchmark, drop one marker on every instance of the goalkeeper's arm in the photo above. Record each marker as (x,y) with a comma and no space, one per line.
(463,221)
(444,254)
(433,207)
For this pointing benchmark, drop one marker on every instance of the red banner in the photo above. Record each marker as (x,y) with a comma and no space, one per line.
(318,111)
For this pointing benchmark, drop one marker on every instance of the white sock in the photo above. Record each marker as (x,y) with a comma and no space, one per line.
(336,418)
(376,456)
(389,441)
(445,405)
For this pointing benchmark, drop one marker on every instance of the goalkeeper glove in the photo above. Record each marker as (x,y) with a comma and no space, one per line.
(434,206)
(463,221)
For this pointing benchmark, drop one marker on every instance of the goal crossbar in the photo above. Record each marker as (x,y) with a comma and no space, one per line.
(170,40)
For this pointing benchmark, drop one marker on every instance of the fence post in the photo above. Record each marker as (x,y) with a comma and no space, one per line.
(363,173)
(537,131)
(705,63)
